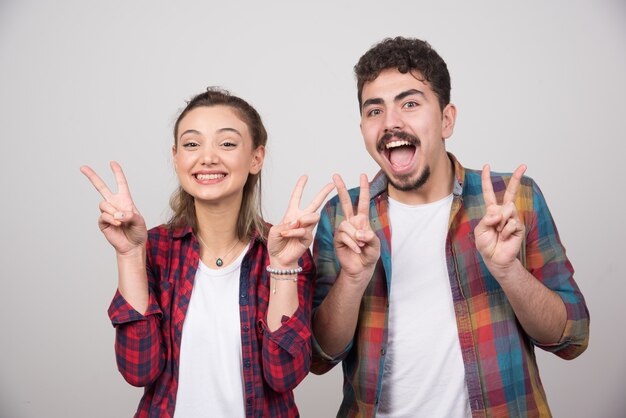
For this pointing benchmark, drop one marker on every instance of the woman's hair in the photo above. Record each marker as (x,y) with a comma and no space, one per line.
(250,216)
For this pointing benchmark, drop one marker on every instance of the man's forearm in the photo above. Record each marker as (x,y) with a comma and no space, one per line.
(540,310)
(336,318)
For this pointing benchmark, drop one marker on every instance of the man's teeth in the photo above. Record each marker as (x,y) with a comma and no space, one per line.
(209,176)
(395,144)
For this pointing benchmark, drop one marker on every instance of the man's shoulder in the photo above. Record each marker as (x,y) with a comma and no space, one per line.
(472,182)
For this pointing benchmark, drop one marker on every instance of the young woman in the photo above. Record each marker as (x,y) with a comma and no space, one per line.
(212,312)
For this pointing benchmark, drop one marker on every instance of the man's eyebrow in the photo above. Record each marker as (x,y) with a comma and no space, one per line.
(407,93)
(370,102)
(399,97)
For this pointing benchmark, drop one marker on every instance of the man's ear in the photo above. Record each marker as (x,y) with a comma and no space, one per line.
(447,120)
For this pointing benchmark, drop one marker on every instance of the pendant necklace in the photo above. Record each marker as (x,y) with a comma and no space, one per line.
(218,261)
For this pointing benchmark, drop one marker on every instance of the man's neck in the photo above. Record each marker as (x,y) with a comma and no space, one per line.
(439,185)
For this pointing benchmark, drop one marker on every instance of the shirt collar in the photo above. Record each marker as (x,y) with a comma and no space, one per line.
(183,231)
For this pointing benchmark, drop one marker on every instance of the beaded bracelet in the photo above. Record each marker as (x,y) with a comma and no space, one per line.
(276,275)
(283,272)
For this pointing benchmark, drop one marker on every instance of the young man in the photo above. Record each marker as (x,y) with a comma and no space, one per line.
(436,282)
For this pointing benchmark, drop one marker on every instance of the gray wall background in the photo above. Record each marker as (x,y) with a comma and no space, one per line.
(85,82)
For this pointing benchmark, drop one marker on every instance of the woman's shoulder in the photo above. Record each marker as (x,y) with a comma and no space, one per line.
(167,232)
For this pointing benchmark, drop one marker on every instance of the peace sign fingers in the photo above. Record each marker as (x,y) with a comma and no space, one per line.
(511,190)
(488,195)
(344,196)
(103,189)
(97,182)
(363,207)
(120,179)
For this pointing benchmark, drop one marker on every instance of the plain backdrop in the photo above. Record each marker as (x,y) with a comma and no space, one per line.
(86,82)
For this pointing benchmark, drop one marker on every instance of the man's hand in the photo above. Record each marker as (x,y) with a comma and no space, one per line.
(356,245)
(500,233)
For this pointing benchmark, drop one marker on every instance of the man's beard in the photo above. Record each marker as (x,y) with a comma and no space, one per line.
(404,184)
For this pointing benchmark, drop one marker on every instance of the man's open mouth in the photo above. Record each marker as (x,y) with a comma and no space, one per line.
(398,148)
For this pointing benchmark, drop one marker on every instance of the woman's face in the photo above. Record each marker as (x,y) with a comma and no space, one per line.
(214,154)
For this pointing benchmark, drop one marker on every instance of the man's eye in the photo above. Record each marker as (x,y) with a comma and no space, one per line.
(410,104)
(374,112)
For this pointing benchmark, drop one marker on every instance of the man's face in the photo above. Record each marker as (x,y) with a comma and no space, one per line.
(404,128)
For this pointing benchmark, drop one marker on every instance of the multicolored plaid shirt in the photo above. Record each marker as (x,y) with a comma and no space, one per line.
(500,368)
(147,346)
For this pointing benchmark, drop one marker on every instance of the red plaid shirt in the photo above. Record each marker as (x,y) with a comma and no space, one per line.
(147,346)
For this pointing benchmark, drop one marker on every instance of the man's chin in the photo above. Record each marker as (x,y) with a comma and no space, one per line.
(408,182)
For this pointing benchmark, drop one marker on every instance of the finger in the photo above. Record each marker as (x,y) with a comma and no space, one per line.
(97,182)
(512,227)
(344,196)
(120,178)
(507,212)
(511,189)
(492,216)
(344,239)
(365,236)
(364,197)
(294,233)
(348,228)
(319,199)
(308,220)
(107,207)
(488,195)
(106,220)
(296,195)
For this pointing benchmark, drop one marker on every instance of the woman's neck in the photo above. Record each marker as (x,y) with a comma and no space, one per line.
(217,225)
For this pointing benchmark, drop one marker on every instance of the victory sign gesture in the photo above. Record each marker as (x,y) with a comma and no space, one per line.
(500,233)
(356,245)
(120,221)
(288,240)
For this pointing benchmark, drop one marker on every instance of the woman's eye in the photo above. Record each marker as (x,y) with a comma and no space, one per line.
(228,144)
(190,144)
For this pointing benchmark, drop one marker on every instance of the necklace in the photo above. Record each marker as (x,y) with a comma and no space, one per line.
(218,261)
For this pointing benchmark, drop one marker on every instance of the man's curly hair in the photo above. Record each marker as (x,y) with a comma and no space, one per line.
(405,54)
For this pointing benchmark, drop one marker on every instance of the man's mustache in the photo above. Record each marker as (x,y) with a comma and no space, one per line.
(412,139)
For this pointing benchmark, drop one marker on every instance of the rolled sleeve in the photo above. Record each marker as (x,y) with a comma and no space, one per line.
(286,351)
(138,342)
(548,262)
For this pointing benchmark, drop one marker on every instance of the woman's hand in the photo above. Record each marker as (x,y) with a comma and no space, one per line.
(120,221)
(288,240)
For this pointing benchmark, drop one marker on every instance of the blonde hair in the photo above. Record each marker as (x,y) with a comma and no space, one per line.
(250,218)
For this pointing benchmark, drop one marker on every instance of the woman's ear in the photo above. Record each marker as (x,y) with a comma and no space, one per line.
(258,156)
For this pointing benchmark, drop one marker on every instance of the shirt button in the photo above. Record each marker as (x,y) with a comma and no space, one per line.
(247,364)
(382,351)
(249,401)
(245,328)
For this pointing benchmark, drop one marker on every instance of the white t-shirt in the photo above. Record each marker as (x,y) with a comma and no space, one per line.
(210,381)
(424,374)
